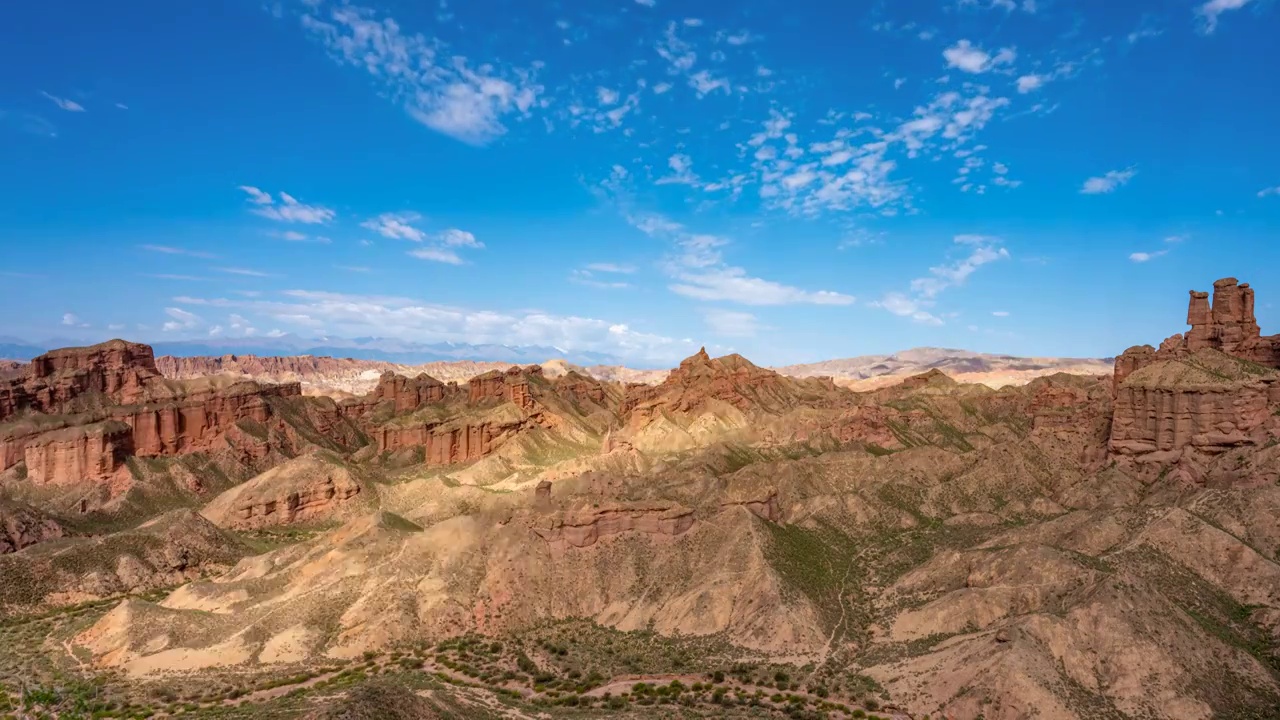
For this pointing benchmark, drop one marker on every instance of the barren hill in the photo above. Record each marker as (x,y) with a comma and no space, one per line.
(729,539)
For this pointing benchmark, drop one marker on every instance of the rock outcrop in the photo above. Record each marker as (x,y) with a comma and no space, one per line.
(447,443)
(1207,401)
(732,380)
(118,370)
(511,386)
(93,453)
(22,526)
(75,415)
(583,528)
(310,488)
(1210,390)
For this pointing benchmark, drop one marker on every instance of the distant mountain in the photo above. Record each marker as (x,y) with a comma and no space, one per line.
(869,371)
(15,349)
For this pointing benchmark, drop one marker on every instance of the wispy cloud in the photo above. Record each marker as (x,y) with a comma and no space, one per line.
(295,236)
(443,245)
(437,86)
(72,320)
(243,271)
(287,208)
(354,268)
(170,250)
(1107,183)
(1000,313)
(1141,257)
(1210,11)
(64,103)
(28,123)
(1267,192)
(171,276)
(351,315)
(437,254)
(587,277)
(181,320)
(918,304)
(611,268)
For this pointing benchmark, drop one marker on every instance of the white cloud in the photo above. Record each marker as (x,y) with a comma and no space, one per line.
(587,277)
(681,171)
(1141,257)
(347,315)
(611,268)
(295,236)
(647,3)
(1211,10)
(396,226)
(729,323)
(970,58)
(71,320)
(732,284)
(1028,6)
(1000,313)
(436,86)
(400,226)
(698,271)
(437,254)
(168,250)
(354,268)
(1029,83)
(182,320)
(122,106)
(1143,33)
(288,209)
(903,306)
(454,237)
(64,103)
(242,271)
(1267,192)
(984,249)
(607,96)
(1107,183)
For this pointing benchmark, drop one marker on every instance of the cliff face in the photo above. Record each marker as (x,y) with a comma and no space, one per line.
(448,445)
(1205,392)
(118,370)
(83,411)
(86,453)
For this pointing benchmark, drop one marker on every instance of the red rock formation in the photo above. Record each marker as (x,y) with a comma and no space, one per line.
(585,527)
(1210,419)
(1131,360)
(76,454)
(125,408)
(1229,326)
(731,379)
(512,386)
(197,422)
(446,445)
(117,369)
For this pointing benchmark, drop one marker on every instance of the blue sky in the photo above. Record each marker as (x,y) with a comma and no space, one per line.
(793,180)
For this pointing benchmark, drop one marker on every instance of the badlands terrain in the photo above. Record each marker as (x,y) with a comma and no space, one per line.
(202,537)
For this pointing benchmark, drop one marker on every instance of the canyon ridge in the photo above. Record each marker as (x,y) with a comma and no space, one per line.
(931,534)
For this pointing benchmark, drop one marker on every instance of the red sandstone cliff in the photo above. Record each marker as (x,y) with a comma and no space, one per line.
(122,406)
(1205,392)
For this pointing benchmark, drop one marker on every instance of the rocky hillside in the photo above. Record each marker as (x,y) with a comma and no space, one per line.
(731,539)
(342,377)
